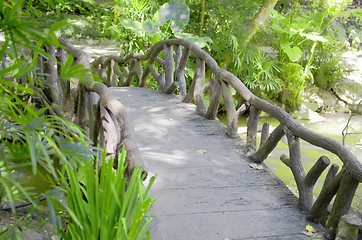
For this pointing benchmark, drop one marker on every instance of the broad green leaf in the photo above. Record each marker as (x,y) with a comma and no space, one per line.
(294,53)
(76,71)
(176,11)
(313,37)
(150,28)
(132,25)
(201,42)
(140,28)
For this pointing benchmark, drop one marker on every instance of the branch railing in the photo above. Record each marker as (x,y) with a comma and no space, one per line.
(87,103)
(166,61)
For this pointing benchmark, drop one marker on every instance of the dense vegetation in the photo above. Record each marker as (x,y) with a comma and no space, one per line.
(36,135)
(299,44)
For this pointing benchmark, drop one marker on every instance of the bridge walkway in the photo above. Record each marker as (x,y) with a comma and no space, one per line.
(205,188)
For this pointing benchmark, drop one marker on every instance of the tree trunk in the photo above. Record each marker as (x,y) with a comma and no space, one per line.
(258,20)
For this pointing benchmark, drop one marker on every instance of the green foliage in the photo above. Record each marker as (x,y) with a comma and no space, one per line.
(175,11)
(303,39)
(259,72)
(298,33)
(33,137)
(168,22)
(103,205)
(71,70)
(294,81)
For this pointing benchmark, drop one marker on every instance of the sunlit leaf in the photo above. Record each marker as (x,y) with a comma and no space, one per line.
(176,11)
(141,29)
(314,37)
(201,42)
(294,53)
(201,151)
(311,229)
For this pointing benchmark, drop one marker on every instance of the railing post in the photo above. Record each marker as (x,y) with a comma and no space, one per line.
(295,164)
(264,134)
(269,145)
(103,73)
(109,72)
(199,82)
(348,227)
(52,86)
(315,172)
(64,83)
(342,203)
(230,110)
(180,68)
(215,99)
(329,189)
(252,130)
(135,69)
(169,66)
(145,74)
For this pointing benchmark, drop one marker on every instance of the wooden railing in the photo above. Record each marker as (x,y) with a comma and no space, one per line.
(87,103)
(166,62)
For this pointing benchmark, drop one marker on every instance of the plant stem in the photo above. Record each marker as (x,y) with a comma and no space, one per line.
(258,21)
(314,44)
(202,17)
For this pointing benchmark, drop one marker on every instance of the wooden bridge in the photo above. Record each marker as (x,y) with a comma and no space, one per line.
(207,186)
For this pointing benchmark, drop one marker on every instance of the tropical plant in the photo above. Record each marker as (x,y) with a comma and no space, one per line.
(168,22)
(305,54)
(33,135)
(103,204)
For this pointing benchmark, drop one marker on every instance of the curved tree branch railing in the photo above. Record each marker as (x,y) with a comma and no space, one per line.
(88,103)
(169,74)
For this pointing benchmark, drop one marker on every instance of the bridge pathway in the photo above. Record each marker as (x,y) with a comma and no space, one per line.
(205,188)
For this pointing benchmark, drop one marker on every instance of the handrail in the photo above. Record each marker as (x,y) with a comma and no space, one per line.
(120,71)
(109,121)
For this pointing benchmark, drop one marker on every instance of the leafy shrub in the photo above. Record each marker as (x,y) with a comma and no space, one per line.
(102,205)
(33,136)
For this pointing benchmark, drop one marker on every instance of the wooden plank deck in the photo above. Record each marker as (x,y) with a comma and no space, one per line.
(205,188)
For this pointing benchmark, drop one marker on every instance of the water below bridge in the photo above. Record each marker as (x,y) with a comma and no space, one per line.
(205,187)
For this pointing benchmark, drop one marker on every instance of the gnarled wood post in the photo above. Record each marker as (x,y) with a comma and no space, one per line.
(269,145)
(169,67)
(342,203)
(215,99)
(252,130)
(199,87)
(180,68)
(305,194)
(328,191)
(51,90)
(348,227)
(264,133)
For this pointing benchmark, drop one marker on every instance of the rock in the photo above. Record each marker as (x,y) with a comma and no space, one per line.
(349,88)
(308,114)
(345,95)
(349,91)
(319,100)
